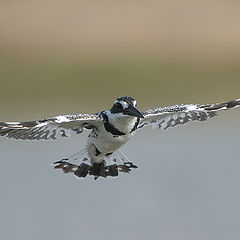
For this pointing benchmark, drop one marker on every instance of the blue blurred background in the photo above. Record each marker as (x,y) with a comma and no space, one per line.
(60,57)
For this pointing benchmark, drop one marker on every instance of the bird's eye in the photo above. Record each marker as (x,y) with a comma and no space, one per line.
(118,105)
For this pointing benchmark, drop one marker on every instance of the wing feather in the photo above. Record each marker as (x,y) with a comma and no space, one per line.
(172,116)
(50,128)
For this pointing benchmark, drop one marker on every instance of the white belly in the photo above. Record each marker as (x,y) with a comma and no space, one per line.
(106,142)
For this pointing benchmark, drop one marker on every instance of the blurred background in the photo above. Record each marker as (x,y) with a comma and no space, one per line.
(60,57)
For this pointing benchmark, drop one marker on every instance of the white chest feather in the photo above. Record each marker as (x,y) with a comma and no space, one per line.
(106,141)
(123,123)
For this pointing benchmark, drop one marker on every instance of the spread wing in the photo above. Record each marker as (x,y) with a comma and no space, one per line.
(180,114)
(49,128)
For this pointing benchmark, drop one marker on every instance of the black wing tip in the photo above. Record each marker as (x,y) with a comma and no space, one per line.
(26,124)
(224,105)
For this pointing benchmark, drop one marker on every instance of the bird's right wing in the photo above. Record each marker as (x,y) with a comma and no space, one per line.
(49,128)
(172,116)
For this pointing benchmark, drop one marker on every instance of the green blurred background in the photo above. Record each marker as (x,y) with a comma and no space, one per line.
(78,56)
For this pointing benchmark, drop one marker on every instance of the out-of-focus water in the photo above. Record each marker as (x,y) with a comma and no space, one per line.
(186,187)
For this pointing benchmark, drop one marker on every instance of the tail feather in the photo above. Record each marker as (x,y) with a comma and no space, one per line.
(112,170)
(80,165)
(82,170)
(98,170)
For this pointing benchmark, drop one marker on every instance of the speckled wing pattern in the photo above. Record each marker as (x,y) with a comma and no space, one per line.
(172,116)
(50,128)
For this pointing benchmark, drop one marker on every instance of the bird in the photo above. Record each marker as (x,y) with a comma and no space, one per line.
(109,131)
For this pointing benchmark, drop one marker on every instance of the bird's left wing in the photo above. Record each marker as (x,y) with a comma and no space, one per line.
(172,116)
(49,128)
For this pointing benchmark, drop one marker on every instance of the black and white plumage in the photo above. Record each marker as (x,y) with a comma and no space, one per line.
(109,131)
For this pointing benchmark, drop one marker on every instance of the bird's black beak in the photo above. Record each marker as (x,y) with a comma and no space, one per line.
(132,111)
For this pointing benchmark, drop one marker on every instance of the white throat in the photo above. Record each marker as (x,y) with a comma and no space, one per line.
(123,123)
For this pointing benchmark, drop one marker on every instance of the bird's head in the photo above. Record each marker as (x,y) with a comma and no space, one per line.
(126,106)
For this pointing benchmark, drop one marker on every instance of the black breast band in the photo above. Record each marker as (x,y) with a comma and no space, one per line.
(109,127)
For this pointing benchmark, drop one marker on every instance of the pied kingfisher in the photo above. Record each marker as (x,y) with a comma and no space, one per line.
(109,131)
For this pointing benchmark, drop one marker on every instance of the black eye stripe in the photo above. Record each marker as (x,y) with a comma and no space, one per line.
(118,105)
